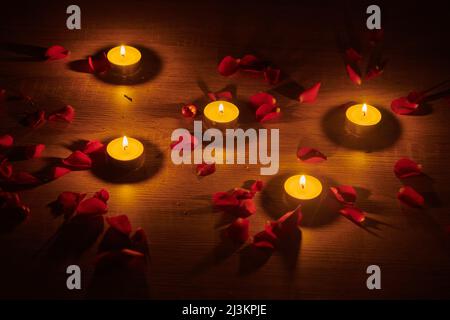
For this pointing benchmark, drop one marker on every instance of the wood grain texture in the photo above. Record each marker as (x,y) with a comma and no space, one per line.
(174,206)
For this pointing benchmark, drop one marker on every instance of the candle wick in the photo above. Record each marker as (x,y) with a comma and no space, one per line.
(125,148)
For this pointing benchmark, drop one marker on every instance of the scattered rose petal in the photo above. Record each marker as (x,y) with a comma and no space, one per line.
(353,213)
(58,172)
(410,197)
(92,206)
(267,112)
(344,194)
(78,160)
(103,195)
(12,207)
(5,169)
(352,55)
(121,223)
(251,63)
(34,151)
(24,178)
(189,111)
(238,230)
(56,52)
(403,106)
(354,77)
(272,75)
(374,72)
(257,186)
(66,114)
(92,147)
(99,63)
(271,116)
(224,96)
(261,98)
(6,141)
(246,208)
(415,96)
(225,199)
(405,168)
(310,155)
(68,201)
(242,194)
(206,169)
(265,239)
(228,66)
(287,223)
(35,119)
(310,94)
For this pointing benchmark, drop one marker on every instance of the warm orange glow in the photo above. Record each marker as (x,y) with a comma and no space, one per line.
(221,108)
(302,181)
(125,143)
(364,109)
(122,51)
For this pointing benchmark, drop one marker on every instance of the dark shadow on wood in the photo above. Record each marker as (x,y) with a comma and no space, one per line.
(252,258)
(424,184)
(16,52)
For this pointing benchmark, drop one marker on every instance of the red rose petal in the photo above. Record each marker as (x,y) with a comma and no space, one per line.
(205,169)
(265,110)
(374,72)
(92,206)
(415,96)
(224,96)
(57,172)
(69,201)
(238,230)
(272,75)
(35,119)
(246,208)
(310,155)
(139,240)
(251,63)
(6,141)
(121,223)
(352,55)
(228,66)
(261,98)
(271,116)
(56,52)
(78,160)
(99,63)
(354,77)
(66,114)
(34,151)
(93,147)
(344,194)
(103,195)
(257,186)
(403,106)
(24,178)
(265,239)
(287,223)
(353,213)
(242,194)
(310,94)
(410,197)
(224,199)
(189,111)
(5,169)
(405,168)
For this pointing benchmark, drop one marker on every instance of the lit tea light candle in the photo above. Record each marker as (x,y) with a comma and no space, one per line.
(220,114)
(125,60)
(362,118)
(303,187)
(125,153)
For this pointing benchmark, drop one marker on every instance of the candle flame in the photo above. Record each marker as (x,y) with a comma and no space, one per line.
(125,143)
(221,108)
(302,181)
(364,109)
(122,51)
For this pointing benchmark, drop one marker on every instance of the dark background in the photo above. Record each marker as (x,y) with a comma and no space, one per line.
(184,41)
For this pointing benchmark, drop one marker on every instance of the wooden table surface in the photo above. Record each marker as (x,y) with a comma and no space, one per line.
(185,41)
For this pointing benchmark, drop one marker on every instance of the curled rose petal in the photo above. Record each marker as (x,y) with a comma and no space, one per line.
(265,239)
(35,119)
(238,230)
(267,112)
(24,178)
(34,151)
(374,72)
(68,201)
(224,199)
(92,206)
(410,197)
(272,75)
(66,114)
(99,63)
(228,66)
(189,111)
(56,52)
(310,155)
(287,223)
(403,106)
(261,98)
(206,169)
(121,223)
(103,195)
(246,208)
(57,172)
(310,94)
(242,194)
(224,96)
(405,168)
(78,160)
(352,55)
(92,147)
(353,75)
(344,194)
(5,169)
(6,141)
(257,186)
(251,63)
(353,213)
